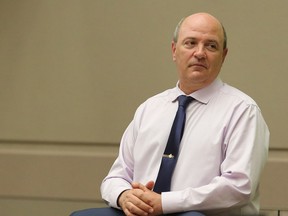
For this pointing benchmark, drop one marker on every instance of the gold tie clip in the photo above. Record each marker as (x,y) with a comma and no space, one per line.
(168,156)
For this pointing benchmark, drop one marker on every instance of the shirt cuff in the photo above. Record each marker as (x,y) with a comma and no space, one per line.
(111,192)
(171,202)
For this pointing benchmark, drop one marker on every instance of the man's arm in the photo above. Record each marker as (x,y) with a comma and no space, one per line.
(237,186)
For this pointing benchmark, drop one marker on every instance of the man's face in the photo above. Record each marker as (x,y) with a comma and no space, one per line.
(199,52)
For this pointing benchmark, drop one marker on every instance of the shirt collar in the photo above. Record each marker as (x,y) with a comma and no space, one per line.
(202,95)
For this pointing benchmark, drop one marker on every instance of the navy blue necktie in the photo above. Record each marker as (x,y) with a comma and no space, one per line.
(170,155)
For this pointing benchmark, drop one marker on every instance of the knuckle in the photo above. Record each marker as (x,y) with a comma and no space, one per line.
(132,209)
(127,211)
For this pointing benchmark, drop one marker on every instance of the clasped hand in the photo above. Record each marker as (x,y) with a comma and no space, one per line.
(141,200)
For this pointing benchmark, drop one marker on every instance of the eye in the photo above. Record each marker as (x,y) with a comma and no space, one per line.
(189,43)
(212,46)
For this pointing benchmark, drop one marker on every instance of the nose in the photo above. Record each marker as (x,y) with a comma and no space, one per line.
(200,52)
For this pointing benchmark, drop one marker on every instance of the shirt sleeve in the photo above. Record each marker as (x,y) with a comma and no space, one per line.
(246,144)
(120,175)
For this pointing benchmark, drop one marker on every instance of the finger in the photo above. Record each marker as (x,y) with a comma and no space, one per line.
(133,200)
(127,212)
(139,186)
(141,201)
(135,185)
(135,209)
(150,185)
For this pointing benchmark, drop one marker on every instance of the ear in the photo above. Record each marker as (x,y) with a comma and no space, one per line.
(225,51)
(173,51)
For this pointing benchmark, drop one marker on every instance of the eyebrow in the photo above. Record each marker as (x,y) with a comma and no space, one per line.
(213,41)
(208,40)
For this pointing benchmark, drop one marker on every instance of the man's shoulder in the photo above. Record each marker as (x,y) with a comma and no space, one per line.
(168,94)
(159,99)
(237,94)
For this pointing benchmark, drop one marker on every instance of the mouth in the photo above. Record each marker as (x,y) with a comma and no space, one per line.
(197,65)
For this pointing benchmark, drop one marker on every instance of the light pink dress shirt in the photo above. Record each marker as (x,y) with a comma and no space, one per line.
(222,153)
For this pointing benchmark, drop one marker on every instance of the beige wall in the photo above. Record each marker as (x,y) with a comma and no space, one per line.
(73,72)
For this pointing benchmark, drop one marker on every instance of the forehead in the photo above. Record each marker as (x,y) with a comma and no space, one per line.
(203,26)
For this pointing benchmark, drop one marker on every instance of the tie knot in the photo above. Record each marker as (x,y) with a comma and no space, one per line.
(184,100)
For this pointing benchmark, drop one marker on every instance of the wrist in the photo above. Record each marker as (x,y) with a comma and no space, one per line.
(119,198)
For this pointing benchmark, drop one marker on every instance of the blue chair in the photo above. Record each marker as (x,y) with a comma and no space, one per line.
(99,211)
(115,212)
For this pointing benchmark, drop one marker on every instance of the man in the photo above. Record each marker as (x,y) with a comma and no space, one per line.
(224,145)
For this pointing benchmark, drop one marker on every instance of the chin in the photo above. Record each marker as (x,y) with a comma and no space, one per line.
(198,78)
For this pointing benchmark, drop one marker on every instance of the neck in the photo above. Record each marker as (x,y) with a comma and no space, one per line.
(189,87)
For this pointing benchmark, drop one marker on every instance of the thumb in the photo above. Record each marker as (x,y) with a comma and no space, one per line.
(150,185)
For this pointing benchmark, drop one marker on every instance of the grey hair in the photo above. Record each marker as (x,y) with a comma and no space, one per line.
(176,33)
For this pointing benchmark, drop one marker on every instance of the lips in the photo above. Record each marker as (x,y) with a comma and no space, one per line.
(197,65)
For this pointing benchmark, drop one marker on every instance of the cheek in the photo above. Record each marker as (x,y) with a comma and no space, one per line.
(182,57)
(216,63)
